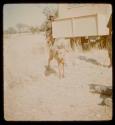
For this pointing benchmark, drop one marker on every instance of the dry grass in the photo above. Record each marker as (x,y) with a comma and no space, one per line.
(102,43)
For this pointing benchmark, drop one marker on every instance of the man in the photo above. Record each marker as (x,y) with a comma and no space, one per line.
(109,40)
(49,37)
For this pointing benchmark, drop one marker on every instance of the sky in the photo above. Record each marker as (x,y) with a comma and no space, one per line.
(30,14)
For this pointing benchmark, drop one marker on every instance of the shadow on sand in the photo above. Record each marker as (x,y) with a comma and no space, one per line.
(49,70)
(90,60)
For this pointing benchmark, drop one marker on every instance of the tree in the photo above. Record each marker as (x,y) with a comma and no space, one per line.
(20,27)
(43,26)
(6,32)
(48,12)
(11,30)
(34,29)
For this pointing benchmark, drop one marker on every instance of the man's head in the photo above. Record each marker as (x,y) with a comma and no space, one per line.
(51,18)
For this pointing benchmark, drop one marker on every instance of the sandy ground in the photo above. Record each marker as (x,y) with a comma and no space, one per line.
(30,95)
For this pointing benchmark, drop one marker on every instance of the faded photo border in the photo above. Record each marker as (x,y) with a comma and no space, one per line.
(2,119)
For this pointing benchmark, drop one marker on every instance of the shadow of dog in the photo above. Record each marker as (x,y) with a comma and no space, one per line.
(48,71)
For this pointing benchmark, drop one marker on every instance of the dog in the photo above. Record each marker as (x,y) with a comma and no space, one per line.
(57,51)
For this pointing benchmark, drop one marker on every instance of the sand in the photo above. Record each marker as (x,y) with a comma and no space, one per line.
(30,95)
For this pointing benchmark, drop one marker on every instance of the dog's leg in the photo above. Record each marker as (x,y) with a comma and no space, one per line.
(50,58)
(59,70)
(63,70)
(62,67)
(49,62)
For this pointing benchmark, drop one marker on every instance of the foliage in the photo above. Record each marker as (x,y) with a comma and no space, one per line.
(48,12)
(34,29)
(21,28)
(10,30)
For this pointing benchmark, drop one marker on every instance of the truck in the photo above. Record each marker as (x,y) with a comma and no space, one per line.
(82,26)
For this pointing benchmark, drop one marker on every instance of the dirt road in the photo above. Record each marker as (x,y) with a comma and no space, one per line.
(30,95)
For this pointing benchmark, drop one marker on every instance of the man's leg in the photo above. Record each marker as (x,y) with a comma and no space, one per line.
(110,57)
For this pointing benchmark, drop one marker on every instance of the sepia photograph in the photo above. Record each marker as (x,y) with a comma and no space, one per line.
(57,62)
